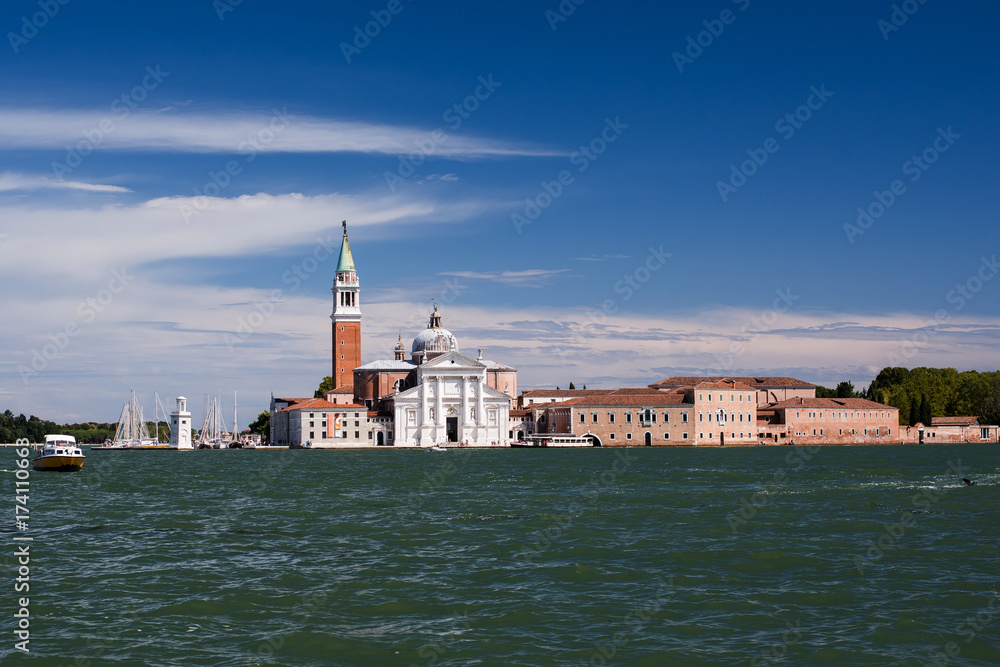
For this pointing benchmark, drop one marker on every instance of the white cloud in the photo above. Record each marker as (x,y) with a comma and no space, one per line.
(232,132)
(13,181)
(525,278)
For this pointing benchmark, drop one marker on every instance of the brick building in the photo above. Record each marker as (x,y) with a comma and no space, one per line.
(828,421)
(316,421)
(707,413)
(951,430)
(770,389)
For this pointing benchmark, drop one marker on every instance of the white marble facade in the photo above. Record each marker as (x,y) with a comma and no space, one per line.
(451,403)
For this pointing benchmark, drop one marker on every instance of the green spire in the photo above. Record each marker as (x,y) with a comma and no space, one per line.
(346,262)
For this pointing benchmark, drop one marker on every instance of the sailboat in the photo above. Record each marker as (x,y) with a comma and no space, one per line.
(213,431)
(132,430)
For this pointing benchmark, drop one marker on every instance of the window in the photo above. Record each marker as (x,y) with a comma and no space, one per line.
(628,417)
(653,415)
(701,416)
(685,436)
(709,397)
(342,327)
(341,356)
(611,417)
(343,434)
(370,435)
(814,431)
(841,431)
(594,416)
(732,397)
(666,417)
(341,342)
(684,419)
(612,436)
(628,436)
(741,398)
(356,424)
(821,431)
(583,418)
(666,436)
(311,435)
(324,435)
(709,416)
(701,435)
(701,397)
(356,435)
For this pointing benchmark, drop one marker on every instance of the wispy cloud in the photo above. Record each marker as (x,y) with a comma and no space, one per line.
(228,132)
(526,278)
(601,258)
(13,181)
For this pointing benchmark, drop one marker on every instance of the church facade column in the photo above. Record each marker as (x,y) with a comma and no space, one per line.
(439,417)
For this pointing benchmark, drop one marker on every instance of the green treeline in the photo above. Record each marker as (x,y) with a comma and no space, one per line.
(923,393)
(34,429)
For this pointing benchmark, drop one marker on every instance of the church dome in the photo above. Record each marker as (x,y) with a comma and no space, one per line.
(434,340)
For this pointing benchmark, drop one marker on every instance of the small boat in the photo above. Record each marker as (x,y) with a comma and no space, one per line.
(59,453)
(437,448)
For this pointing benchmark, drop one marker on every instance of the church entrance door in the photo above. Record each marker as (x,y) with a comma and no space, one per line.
(378,439)
(452,428)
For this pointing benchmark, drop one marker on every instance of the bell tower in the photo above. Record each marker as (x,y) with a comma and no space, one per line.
(346,318)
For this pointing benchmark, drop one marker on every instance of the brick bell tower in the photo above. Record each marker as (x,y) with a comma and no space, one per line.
(346,318)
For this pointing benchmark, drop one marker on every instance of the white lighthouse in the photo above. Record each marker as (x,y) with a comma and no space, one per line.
(180,426)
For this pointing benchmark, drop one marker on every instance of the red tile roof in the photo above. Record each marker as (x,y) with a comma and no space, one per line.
(321,404)
(644,400)
(830,404)
(724,384)
(954,421)
(752,381)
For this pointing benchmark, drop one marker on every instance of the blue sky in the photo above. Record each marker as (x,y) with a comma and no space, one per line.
(644,111)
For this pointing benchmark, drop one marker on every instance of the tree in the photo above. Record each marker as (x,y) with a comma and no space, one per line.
(846,390)
(324,386)
(914,411)
(926,415)
(262,426)
(572,386)
(825,392)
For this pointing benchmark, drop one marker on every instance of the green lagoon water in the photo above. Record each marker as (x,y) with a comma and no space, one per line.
(856,556)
